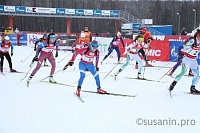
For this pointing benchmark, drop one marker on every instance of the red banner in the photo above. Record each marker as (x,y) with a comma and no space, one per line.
(176,38)
(160,50)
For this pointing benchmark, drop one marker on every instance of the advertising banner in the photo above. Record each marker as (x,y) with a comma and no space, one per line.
(1,8)
(174,50)
(22,41)
(44,10)
(20,9)
(79,11)
(160,50)
(60,11)
(176,38)
(114,13)
(88,12)
(9,8)
(29,9)
(105,12)
(69,11)
(96,12)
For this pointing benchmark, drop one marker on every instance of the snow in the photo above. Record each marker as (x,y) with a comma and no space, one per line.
(51,108)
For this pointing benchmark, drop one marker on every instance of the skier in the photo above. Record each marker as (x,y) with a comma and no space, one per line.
(147,38)
(5,45)
(133,50)
(190,51)
(115,45)
(180,57)
(80,46)
(46,51)
(87,63)
(44,38)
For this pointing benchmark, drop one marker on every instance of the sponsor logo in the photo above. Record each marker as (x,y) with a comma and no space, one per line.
(173,52)
(11,9)
(20,9)
(79,12)
(60,11)
(114,13)
(97,12)
(1,8)
(70,11)
(153,52)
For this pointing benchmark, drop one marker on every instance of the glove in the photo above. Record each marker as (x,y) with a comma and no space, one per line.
(36,58)
(56,54)
(12,54)
(194,45)
(149,47)
(97,68)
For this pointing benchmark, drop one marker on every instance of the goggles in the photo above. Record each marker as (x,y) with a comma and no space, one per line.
(52,36)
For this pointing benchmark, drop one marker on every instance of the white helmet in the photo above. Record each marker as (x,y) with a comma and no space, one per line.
(82,35)
(118,34)
(7,38)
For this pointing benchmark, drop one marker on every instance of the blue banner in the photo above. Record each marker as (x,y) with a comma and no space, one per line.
(79,11)
(136,26)
(96,12)
(22,41)
(114,13)
(60,11)
(174,50)
(1,8)
(20,9)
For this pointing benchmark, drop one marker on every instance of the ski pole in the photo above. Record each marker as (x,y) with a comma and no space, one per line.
(27,57)
(112,69)
(170,69)
(64,58)
(28,71)
(53,74)
(167,64)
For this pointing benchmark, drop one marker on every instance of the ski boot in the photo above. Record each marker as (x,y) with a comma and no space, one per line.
(12,70)
(148,65)
(136,66)
(115,74)
(193,90)
(139,76)
(100,91)
(78,91)
(171,87)
(51,80)
(28,81)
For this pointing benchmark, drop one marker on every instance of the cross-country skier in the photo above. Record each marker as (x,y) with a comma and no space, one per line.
(87,63)
(147,39)
(5,45)
(80,46)
(190,51)
(44,38)
(46,52)
(114,45)
(132,50)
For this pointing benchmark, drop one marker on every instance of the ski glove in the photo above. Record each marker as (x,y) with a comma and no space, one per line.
(36,58)
(97,68)
(12,54)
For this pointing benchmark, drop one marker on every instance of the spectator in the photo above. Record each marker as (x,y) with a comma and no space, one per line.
(88,34)
(183,31)
(18,35)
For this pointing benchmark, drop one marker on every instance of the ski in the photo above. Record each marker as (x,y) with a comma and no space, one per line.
(79,98)
(113,94)
(192,93)
(57,83)
(170,94)
(146,79)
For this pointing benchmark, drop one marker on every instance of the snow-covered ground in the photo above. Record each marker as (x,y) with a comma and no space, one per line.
(51,108)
